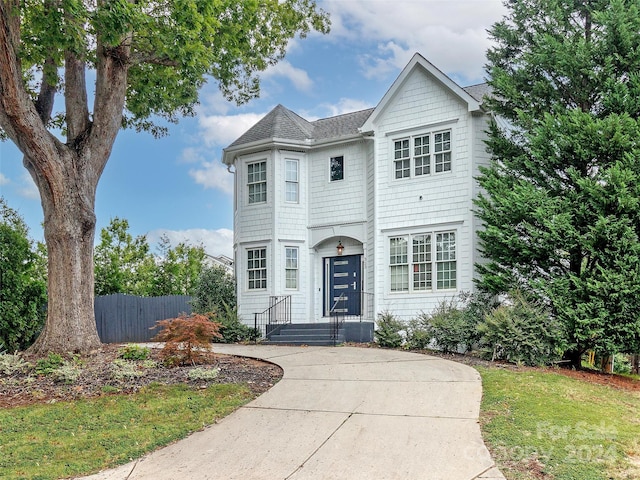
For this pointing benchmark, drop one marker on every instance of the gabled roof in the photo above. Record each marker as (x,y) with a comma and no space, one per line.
(281,125)
(419,62)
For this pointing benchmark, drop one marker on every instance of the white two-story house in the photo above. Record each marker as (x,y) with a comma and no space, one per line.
(365,212)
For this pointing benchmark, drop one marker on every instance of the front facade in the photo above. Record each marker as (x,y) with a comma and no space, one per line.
(363,212)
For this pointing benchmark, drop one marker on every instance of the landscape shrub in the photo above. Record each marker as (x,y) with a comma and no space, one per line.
(449,328)
(232,330)
(10,364)
(201,373)
(49,364)
(418,333)
(67,373)
(520,331)
(216,289)
(186,338)
(621,364)
(122,369)
(134,352)
(388,330)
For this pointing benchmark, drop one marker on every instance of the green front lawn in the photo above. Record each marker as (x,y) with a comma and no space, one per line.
(59,440)
(541,424)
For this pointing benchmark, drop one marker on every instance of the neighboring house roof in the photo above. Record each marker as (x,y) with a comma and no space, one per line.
(220,261)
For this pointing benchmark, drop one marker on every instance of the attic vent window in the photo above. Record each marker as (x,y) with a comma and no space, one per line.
(337,168)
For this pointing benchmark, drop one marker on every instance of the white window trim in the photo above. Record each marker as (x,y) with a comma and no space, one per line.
(296,268)
(247,269)
(409,236)
(411,136)
(296,182)
(265,181)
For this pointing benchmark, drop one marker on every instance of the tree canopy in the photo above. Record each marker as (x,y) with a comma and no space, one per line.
(562,194)
(115,64)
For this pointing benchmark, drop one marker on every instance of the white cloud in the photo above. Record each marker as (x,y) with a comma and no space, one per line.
(215,242)
(298,77)
(221,130)
(28,188)
(344,105)
(213,175)
(452,35)
(4,180)
(191,155)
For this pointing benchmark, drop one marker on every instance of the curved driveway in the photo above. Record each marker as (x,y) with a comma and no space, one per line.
(338,413)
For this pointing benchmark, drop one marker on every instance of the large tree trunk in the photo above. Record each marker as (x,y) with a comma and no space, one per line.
(69,228)
(66,174)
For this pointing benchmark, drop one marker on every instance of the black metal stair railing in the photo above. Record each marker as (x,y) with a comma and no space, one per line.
(337,317)
(273,318)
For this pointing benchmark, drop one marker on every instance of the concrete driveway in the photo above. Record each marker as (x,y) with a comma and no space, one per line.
(338,413)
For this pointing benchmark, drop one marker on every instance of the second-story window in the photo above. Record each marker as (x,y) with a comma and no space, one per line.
(292,182)
(257,182)
(422,154)
(336,167)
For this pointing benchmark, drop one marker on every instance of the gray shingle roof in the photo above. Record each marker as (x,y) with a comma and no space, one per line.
(338,126)
(478,91)
(278,123)
(282,123)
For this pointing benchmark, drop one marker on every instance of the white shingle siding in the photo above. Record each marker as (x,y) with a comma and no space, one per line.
(369,205)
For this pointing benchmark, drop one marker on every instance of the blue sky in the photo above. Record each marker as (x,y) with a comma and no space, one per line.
(177,185)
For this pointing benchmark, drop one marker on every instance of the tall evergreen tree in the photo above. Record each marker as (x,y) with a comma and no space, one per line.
(562,193)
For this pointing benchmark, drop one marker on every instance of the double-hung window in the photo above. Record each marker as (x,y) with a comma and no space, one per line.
(414,258)
(399,264)
(257,268)
(442,151)
(401,158)
(291,267)
(422,154)
(292,182)
(257,182)
(446,260)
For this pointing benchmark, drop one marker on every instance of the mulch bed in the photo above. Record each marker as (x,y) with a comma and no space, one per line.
(97,378)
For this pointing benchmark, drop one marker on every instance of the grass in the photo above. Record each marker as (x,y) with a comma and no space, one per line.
(541,424)
(64,439)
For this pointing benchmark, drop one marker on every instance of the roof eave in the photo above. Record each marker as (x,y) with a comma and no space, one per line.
(230,153)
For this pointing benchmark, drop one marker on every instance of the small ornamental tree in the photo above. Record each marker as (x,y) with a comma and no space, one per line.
(186,338)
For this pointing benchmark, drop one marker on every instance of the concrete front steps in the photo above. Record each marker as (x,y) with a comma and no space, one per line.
(318,334)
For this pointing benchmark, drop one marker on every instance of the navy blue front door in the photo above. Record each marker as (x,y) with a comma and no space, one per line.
(343,285)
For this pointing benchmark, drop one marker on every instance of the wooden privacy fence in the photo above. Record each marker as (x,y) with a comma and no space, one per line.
(128,318)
